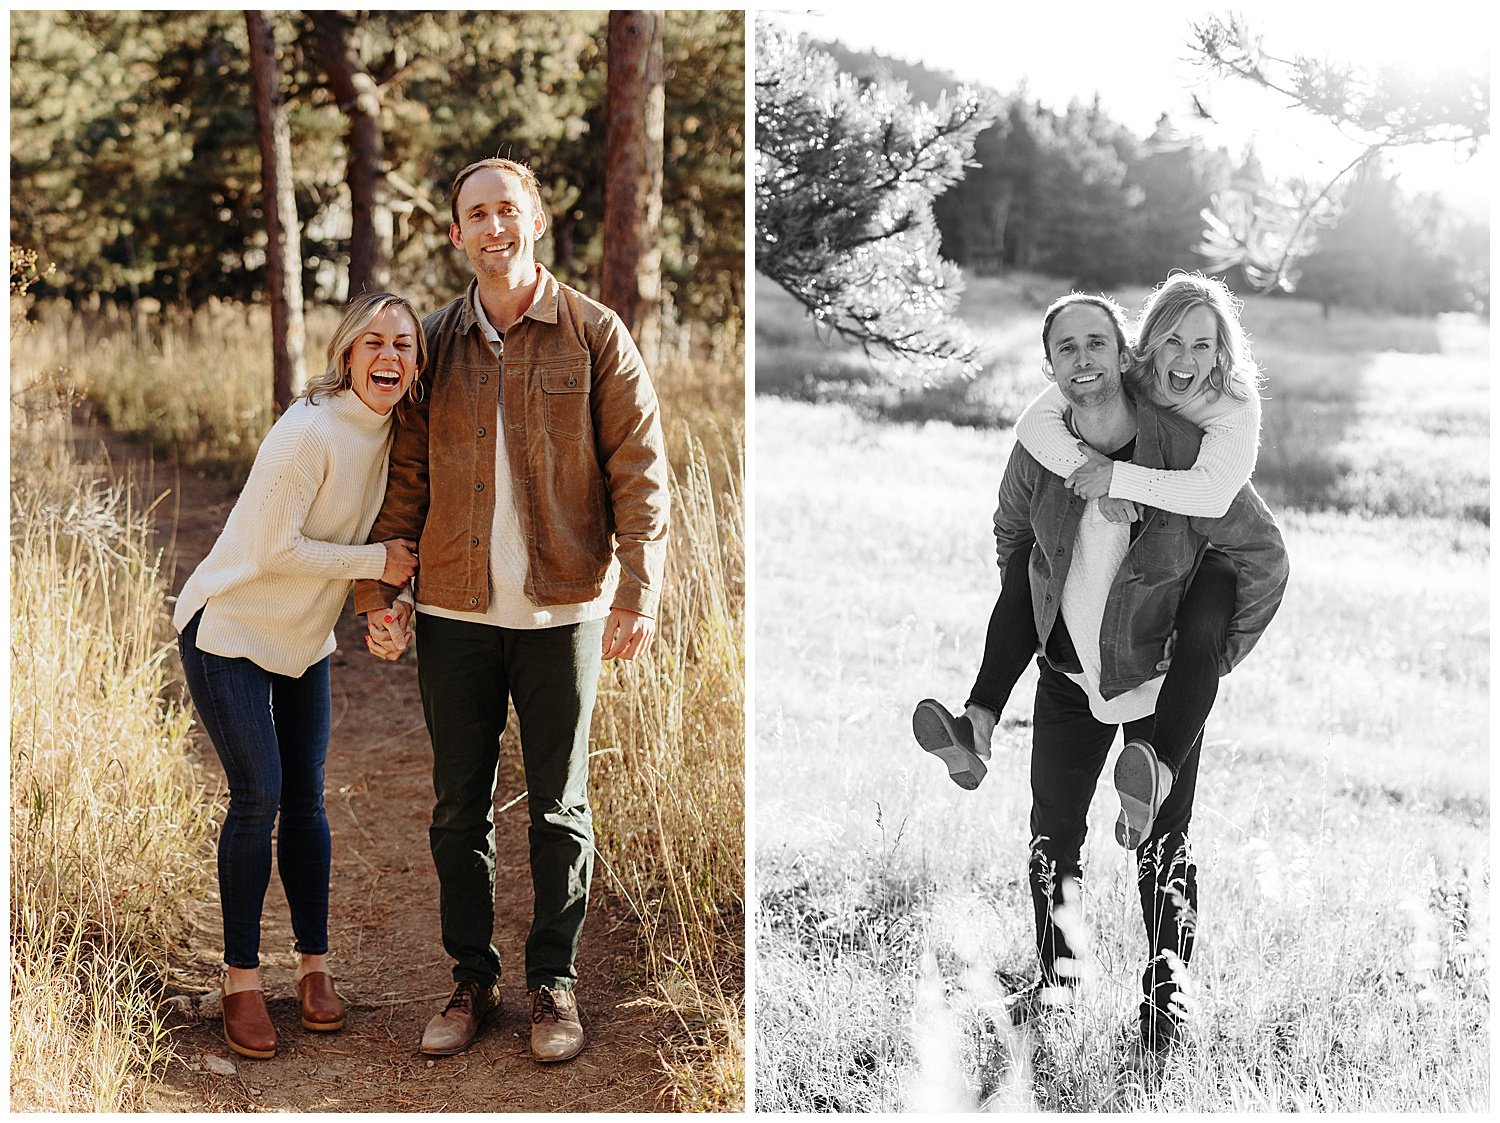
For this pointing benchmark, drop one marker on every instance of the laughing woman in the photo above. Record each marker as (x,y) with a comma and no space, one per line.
(255,623)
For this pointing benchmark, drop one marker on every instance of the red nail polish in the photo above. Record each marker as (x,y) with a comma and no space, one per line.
(387,619)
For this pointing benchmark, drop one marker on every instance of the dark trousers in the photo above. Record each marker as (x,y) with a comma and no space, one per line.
(467,672)
(1069,748)
(271,734)
(1191,684)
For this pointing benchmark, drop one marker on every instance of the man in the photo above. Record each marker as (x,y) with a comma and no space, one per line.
(1103,597)
(533,477)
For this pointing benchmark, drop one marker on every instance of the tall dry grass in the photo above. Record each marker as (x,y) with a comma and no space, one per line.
(194,386)
(670,791)
(107,834)
(670,795)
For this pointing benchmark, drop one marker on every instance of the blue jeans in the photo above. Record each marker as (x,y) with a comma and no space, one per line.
(271,734)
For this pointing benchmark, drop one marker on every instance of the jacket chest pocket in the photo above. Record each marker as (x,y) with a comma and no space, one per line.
(1165,544)
(565,400)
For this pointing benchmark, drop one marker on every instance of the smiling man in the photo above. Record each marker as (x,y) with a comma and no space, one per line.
(533,477)
(1103,596)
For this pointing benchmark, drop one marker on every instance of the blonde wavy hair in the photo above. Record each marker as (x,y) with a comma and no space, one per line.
(1234,371)
(358,316)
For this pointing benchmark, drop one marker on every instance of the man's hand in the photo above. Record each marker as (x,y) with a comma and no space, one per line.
(1093,479)
(626,634)
(1119,510)
(388,631)
(1166,653)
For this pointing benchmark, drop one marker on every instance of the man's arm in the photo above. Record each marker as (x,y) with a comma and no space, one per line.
(627,429)
(1013,513)
(404,511)
(1248,535)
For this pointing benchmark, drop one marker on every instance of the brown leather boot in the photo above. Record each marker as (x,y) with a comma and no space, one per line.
(556,1032)
(455,1028)
(322,1008)
(247,1023)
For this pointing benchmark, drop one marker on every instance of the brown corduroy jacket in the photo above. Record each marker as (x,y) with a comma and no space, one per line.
(583,438)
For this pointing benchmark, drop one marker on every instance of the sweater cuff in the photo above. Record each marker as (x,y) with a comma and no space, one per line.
(370,560)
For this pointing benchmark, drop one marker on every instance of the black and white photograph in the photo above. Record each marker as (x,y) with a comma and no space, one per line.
(1121,629)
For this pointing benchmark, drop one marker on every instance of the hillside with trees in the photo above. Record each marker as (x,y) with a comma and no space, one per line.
(1074,194)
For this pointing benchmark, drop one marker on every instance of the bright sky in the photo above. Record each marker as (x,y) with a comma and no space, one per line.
(1135,56)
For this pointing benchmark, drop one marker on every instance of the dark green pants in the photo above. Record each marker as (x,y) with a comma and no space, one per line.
(467,672)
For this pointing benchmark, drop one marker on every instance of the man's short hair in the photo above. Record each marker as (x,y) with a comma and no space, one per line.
(515,167)
(1115,313)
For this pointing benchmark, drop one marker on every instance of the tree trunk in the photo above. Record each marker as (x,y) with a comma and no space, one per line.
(283,239)
(636,101)
(358,95)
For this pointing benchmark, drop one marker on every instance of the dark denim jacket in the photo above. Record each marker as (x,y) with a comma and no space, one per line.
(1164,553)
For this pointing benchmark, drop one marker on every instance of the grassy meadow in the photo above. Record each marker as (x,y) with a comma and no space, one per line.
(669,789)
(1342,819)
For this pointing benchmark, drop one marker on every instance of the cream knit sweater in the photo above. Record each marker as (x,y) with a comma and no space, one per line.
(273,584)
(1231,441)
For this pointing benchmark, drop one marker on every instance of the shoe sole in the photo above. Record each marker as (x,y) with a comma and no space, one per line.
(323,1027)
(1139,788)
(935,732)
(245,1051)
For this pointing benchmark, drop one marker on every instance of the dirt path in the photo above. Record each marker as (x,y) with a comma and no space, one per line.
(388,959)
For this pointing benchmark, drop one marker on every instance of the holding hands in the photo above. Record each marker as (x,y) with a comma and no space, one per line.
(1119,510)
(1093,479)
(388,631)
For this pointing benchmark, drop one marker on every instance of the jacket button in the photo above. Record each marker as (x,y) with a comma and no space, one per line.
(1058,551)
(572,382)
(481,431)
(484,378)
(473,541)
(473,601)
(1049,598)
(478,486)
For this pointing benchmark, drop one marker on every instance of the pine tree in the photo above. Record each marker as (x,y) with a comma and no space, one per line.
(845,177)
(1266,233)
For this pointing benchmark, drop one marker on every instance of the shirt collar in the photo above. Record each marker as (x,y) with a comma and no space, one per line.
(543,305)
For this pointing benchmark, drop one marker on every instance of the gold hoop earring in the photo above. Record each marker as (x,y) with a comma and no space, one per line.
(415,393)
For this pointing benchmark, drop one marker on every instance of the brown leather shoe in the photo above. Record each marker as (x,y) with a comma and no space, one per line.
(322,1008)
(247,1023)
(556,1032)
(455,1028)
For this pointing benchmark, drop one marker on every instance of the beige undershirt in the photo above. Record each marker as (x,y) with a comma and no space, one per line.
(1098,550)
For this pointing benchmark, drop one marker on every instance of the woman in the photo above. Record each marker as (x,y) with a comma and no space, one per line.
(1192,356)
(256,631)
